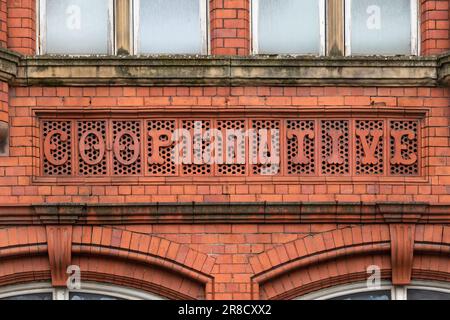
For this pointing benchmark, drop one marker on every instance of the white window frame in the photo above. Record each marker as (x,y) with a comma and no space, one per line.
(254,21)
(397,292)
(204,27)
(415,22)
(42,31)
(87,287)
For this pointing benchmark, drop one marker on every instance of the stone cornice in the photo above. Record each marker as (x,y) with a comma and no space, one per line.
(9,62)
(192,213)
(444,69)
(223,71)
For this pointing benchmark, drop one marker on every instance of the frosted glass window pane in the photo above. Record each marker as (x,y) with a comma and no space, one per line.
(170,26)
(416,294)
(31,297)
(381,27)
(77,26)
(288,26)
(374,295)
(90,296)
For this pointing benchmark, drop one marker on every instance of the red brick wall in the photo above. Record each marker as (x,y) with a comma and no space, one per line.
(22,26)
(3,24)
(239,251)
(18,168)
(435,26)
(230,27)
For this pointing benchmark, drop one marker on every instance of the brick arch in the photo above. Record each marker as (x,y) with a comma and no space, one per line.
(106,255)
(341,256)
(176,269)
(431,253)
(23,253)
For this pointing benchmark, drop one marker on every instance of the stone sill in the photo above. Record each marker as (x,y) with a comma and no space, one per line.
(180,70)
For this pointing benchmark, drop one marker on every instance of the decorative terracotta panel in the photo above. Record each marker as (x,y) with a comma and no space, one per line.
(198,147)
(222,147)
(127,137)
(234,148)
(159,135)
(301,147)
(369,147)
(92,157)
(335,151)
(57,147)
(404,147)
(270,151)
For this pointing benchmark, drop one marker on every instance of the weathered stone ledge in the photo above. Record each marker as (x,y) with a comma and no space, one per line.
(180,70)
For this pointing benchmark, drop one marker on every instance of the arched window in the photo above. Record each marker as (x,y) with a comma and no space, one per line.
(88,291)
(418,290)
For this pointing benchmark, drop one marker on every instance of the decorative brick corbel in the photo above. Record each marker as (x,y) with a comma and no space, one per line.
(402,252)
(59,240)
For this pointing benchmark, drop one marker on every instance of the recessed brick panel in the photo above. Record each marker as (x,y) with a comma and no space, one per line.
(274,147)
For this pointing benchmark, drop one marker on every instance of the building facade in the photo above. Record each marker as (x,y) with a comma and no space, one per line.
(224,149)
